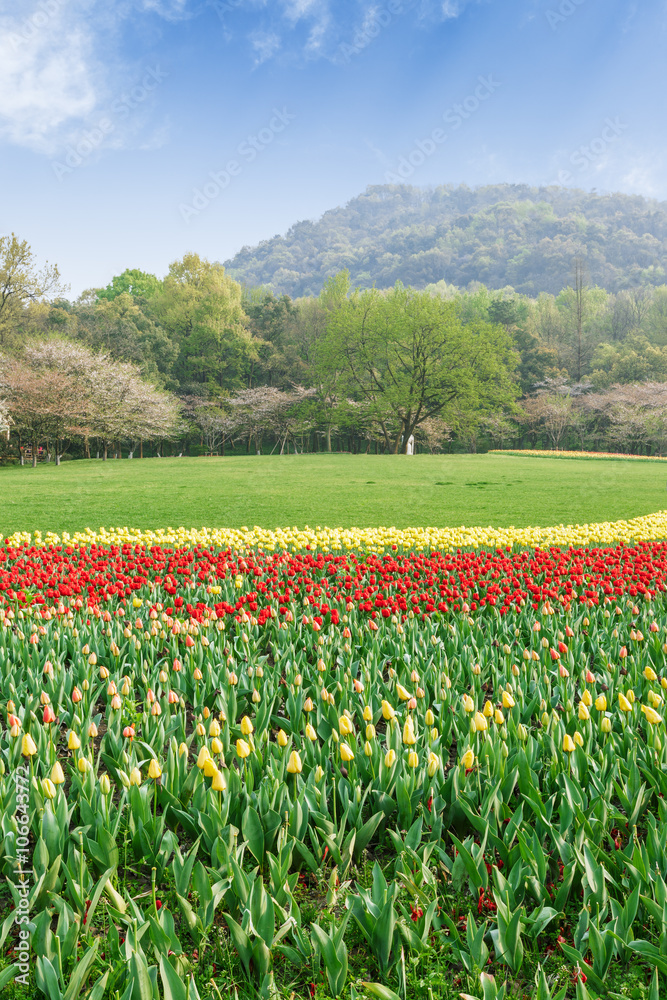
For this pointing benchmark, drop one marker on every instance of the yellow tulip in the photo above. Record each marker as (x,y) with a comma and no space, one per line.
(468,703)
(480,722)
(650,674)
(587,698)
(623,703)
(246,726)
(154,769)
(105,784)
(204,755)
(57,776)
(28,748)
(402,693)
(468,759)
(216,745)
(429,718)
(370,731)
(605,725)
(498,717)
(387,711)
(408,732)
(73,741)
(310,732)
(242,749)
(488,709)
(651,715)
(578,739)
(413,759)
(367,715)
(281,738)
(83,765)
(433,763)
(601,703)
(294,765)
(346,753)
(135,776)
(219,783)
(390,758)
(214,728)
(48,788)
(583,713)
(568,743)
(508,700)
(344,726)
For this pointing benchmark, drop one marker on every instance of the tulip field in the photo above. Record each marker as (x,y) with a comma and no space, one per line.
(334,763)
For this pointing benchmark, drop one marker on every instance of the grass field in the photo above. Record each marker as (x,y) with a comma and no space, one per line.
(341,490)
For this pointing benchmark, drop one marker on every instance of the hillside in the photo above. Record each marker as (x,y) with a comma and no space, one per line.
(505,234)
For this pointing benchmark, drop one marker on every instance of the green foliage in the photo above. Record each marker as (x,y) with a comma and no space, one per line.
(500,235)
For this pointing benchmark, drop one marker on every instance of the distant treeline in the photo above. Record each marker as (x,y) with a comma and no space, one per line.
(196,363)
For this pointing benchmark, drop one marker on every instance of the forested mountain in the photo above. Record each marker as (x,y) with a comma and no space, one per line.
(504,234)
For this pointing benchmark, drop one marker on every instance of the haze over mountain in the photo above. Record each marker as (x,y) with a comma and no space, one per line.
(503,234)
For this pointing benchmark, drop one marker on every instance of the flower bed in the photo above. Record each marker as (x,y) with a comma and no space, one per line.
(231,744)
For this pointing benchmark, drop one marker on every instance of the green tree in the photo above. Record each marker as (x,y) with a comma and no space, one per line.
(200,308)
(120,328)
(21,282)
(138,284)
(408,356)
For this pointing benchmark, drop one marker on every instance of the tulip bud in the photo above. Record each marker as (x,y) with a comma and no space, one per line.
(242,749)
(433,764)
(468,759)
(219,783)
(390,758)
(568,743)
(105,784)
(346,753)
(605,725)
(57,776)
(48,788)
(319,773)
(83,765)
(480,722)
(135,776)
(73,741)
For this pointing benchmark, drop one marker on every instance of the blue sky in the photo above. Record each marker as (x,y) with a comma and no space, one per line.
(132,132)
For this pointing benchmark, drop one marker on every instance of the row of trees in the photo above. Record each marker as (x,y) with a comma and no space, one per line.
(196,362)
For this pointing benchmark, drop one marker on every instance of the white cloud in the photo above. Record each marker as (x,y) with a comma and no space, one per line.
(61,71)
(265,45)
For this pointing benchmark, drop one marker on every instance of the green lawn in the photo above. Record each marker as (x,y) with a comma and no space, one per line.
(336,490)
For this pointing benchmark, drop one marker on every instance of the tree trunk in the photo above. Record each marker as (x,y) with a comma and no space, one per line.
(329,438)
(141,449)
(104,457)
